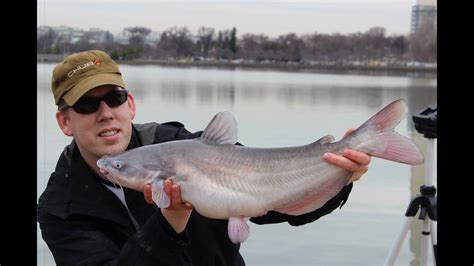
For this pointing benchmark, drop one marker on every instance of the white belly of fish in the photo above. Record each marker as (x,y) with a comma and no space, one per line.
(221,195)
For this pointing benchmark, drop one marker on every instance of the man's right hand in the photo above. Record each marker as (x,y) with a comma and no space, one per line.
(178,213)
(147,194)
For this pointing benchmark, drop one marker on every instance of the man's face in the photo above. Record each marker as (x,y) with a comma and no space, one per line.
(104,132)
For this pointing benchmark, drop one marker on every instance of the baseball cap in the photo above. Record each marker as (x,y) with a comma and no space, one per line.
(80,72)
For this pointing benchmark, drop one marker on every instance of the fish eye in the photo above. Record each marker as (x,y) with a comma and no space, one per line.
(118,165)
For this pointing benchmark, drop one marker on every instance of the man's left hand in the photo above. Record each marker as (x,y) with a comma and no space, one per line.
(351,160)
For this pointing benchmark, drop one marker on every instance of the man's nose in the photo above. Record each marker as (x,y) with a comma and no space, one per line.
(104,111)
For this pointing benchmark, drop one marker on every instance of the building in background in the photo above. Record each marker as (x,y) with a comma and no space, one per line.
(424,11)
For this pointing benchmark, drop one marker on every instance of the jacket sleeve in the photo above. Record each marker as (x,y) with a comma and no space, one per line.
(275,217)
(77,241)
(155,245)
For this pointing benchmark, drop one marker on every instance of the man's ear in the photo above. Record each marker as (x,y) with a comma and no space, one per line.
(131,104)
(63,121)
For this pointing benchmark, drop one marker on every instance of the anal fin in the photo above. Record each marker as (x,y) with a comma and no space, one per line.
(238,229)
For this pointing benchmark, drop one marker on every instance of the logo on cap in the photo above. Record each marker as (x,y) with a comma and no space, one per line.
(96,62)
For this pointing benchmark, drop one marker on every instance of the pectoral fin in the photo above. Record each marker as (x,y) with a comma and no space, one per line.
(159,195)
(238,229)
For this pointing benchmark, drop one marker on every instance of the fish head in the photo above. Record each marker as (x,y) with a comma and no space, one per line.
(127,172)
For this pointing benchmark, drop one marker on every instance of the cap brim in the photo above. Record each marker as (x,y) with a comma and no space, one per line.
(89,83)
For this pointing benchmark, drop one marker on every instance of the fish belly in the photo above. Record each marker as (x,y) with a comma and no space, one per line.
(223,181)
(252,191)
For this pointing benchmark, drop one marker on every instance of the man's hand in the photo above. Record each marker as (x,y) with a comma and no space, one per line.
(178,213)
(147,194)
(351,160)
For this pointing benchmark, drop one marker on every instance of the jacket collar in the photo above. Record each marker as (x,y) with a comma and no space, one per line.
(79,191)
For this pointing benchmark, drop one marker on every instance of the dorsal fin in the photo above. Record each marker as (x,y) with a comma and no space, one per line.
(222,129)
(326,139)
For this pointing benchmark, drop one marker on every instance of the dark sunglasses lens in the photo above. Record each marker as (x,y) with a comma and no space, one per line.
(86,106)
(91,105)
(116,98)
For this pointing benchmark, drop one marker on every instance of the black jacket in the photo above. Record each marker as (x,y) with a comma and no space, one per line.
(84,223)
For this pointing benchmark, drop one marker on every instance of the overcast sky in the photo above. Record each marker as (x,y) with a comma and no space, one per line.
(271,18)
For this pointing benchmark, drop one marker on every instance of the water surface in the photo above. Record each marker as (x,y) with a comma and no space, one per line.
(280,109)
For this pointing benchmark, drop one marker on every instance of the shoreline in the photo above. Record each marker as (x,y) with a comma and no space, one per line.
(411,71)
(302,68)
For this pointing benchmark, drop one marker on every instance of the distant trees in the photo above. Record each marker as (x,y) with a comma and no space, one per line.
(45,41)
(225,44)
(397,46)
(375,42)
(176,42)
(205,38)
(136,43)
(180,43)
(250,46)
(423,44)
(233,41)
(291,46)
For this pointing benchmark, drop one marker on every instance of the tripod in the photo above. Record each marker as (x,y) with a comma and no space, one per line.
(426,124)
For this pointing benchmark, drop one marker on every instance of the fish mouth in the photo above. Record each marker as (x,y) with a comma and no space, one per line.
(108,177)
(103,171)
(102,165)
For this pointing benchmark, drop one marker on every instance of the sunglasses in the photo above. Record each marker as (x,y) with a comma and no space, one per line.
(89,105)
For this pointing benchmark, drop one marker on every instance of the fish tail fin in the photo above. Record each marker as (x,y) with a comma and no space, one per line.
(383,141)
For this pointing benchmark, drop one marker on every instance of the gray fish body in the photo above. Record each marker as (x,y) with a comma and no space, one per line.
(222,180)
(249,181)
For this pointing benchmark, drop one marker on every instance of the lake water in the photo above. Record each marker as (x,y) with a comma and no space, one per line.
(281,109)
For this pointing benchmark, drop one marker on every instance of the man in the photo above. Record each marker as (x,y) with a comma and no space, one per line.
(87,220)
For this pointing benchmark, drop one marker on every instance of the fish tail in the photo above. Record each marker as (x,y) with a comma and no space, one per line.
(383,141)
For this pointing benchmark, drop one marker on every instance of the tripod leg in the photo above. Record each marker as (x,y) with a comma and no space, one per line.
(434,240)
(427,222)
(397,245)
(429,228)
(425,240)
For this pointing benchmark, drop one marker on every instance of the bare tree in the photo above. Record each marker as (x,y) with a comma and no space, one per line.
(251,46)
(222,47)
(290,46)
(396,46)
(270,50)
(176,42)
(45,41)
(423,44)
(311,42)
(357,45)
(233,41)
(375,40)
(138,35)
(205,37)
